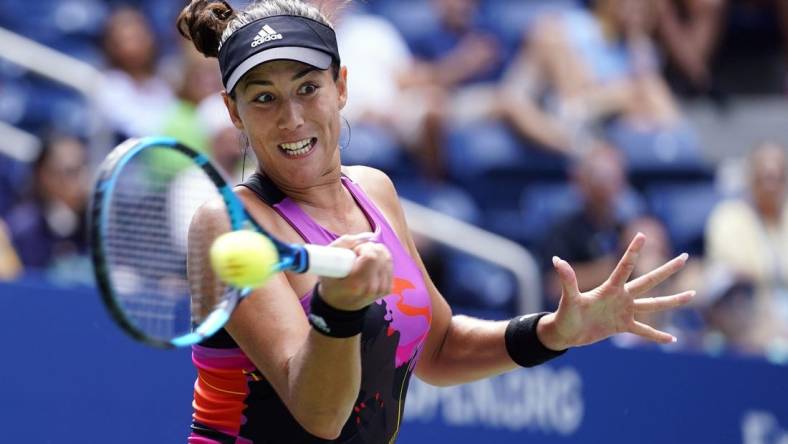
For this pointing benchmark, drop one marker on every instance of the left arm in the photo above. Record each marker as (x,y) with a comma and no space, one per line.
(461,349)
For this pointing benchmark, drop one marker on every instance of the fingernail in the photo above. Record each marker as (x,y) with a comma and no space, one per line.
(555,260)
(684,256)
(673,339)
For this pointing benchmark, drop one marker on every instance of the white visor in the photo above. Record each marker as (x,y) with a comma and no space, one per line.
(313,57)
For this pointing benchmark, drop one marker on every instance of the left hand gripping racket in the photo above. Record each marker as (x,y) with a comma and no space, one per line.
(151,255)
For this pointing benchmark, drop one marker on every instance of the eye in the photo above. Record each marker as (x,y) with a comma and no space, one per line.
(308,89)
(264,98)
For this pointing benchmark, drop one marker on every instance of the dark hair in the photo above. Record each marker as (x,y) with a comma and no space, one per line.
(203,22)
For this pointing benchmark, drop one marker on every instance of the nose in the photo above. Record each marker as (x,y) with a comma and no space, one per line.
(290,116)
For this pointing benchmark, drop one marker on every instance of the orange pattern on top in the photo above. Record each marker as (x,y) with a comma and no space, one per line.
(219,396)
(398,288)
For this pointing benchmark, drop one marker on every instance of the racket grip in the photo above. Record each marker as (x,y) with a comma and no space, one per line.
(329,261)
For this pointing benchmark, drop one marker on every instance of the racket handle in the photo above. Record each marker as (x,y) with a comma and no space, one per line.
(329,261)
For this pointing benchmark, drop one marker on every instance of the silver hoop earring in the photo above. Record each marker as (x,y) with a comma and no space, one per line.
(244,147)
(349,135)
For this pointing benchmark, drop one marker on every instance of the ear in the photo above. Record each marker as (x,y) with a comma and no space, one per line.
(342,87)
(232,109)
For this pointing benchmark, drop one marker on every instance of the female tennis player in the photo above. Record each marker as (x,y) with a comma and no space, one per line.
(313,360)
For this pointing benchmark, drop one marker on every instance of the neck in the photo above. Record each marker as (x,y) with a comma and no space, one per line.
(600,215)
(326,195)
(770,215)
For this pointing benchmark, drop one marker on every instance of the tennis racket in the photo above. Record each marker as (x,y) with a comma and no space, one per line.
(151,262)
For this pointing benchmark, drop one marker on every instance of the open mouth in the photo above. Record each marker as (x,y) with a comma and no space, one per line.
(300,148)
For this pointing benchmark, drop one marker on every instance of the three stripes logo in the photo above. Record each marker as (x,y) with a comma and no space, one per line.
(266,34)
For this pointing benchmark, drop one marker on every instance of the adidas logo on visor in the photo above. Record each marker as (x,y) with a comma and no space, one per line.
(265,35)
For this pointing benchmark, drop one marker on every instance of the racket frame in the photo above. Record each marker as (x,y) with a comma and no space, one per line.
(292,257)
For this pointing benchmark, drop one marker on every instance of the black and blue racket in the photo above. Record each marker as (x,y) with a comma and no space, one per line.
(152,264)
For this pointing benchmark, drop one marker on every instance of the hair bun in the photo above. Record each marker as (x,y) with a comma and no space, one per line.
(203,22)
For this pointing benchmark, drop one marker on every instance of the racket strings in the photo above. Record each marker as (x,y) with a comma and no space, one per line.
(147,236)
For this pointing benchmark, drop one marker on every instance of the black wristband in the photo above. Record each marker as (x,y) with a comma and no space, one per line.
(523,345)
(333,322)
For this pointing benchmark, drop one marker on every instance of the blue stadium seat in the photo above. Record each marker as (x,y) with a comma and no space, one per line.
(44,105)
(489,161)
(375,147)
(684,208)
(410,17)
(162,16)
(80,47)
(513,18)
(488,148)
(443,197)
(13,100)
(656,155)
(47,21)
(479,148)
(478,285)
(541,205)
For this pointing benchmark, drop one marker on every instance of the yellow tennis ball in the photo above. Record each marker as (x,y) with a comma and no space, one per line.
(244,258)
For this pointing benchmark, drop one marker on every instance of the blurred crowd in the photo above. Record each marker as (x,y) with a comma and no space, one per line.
(558,124)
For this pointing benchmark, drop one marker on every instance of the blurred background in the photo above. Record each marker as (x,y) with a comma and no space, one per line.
(559,127)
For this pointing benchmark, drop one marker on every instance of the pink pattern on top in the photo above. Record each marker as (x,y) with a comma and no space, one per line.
(408,306)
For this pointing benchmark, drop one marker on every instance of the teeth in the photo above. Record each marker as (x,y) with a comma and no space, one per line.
(301,145)
(298,152)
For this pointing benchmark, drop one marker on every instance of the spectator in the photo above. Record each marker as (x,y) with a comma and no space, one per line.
(730,314)
(226,150)
(199,80)
(689,33)
(589,237)
(749,235)
(50,225)
(461,49)
(13,173)
(133,97)
(593,67)
(462,58)
(10,266)
(224,139)
(753,54)
(386,80)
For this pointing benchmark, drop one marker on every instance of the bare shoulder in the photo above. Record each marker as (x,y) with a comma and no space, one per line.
(375,183)
(379,187)
(211,216)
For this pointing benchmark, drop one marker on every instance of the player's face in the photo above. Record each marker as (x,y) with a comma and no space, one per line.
(290,113)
